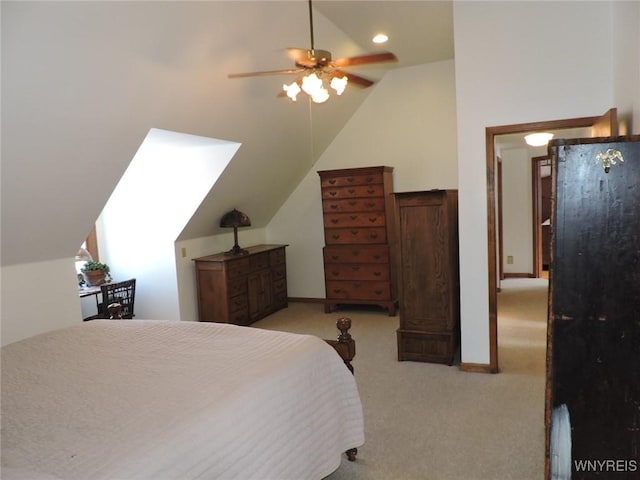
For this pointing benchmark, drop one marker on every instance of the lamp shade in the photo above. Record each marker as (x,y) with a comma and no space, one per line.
(235,219)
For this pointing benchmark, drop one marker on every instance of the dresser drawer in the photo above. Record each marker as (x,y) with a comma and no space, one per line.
(358,290)
(356,254)
(333,236)
(238,303)
(356,271)
(355,191)
(259,261)
(238,268)
(237,286)
(240,317)
(357,179)
(276,257)
(280,286)
(279,272)
(375,204)
(355,219)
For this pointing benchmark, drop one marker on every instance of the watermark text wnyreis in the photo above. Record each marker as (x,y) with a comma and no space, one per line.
(607,465)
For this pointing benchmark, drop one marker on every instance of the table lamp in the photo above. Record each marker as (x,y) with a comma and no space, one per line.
(235,219)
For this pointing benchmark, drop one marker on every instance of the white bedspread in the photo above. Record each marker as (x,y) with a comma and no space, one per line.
(139,399)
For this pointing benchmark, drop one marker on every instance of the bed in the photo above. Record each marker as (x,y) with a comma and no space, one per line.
(141,399)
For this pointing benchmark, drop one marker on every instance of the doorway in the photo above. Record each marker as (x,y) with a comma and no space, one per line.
(541,201)
(604,125)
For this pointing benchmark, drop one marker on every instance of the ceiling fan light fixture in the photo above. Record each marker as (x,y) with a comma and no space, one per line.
(292,90)
(339,84)
(538,139)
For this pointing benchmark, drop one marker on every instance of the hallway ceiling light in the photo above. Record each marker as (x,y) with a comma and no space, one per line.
(538,139)
(380,38)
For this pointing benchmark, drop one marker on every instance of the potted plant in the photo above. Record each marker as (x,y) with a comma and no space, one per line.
(95,273)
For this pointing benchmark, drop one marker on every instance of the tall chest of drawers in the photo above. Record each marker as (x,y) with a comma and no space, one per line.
(244,288)
(359,226)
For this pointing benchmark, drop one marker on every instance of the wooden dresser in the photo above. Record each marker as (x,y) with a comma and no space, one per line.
(428,276)
(244,288)
(359,226)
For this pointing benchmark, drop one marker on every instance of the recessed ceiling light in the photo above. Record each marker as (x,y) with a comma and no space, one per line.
(380,38)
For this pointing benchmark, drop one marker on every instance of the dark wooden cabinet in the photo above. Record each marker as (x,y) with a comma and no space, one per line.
(244,288)
(359,227)
(593,343)
(428,275)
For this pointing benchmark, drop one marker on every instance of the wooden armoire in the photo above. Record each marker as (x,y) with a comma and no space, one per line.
(359,229)
(593,346)
(428,275)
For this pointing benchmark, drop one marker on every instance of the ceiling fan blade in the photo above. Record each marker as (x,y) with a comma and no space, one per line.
(355,80)
(270,72)
(364,59)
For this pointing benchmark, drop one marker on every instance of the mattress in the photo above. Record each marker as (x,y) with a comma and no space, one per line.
(140,399)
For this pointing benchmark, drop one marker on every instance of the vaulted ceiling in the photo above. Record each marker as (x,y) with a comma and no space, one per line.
(84,82)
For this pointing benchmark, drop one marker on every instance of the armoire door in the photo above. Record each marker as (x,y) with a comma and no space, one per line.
(593,357)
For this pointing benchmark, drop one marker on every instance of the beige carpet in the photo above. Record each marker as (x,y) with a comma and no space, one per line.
(434,422)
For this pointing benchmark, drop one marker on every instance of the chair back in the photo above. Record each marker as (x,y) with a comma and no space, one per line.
(123,293)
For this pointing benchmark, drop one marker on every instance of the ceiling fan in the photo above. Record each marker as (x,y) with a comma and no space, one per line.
(314,66)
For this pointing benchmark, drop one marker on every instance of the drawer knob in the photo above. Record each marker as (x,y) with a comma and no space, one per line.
(354,232)
(334,257)
(335,274)
(336,290)
(335,236)
(376,257)
(333,206)
(353,203)
(377,274)
(378,292)
(371,191)
(369,179)
(351,179)
(332,181)
(352,191)
(373,219)
(373,235)
(355,268)
(333,193)
(334,220)
(371,204)
(353,217)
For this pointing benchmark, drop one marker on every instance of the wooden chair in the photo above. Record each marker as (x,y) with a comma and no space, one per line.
(123,293)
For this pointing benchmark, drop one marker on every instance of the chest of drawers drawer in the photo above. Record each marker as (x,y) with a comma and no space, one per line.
(356,271)
(353,205)
(351,179)
(353,191)
(355,219)
(356,254)
(357,290)
(336,236)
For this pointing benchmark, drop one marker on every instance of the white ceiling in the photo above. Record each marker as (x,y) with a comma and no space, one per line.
(419,32)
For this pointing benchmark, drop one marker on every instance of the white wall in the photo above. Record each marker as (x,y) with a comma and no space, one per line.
(38,297)
(516,62)
(626,57)
(407,122)
(517,226)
